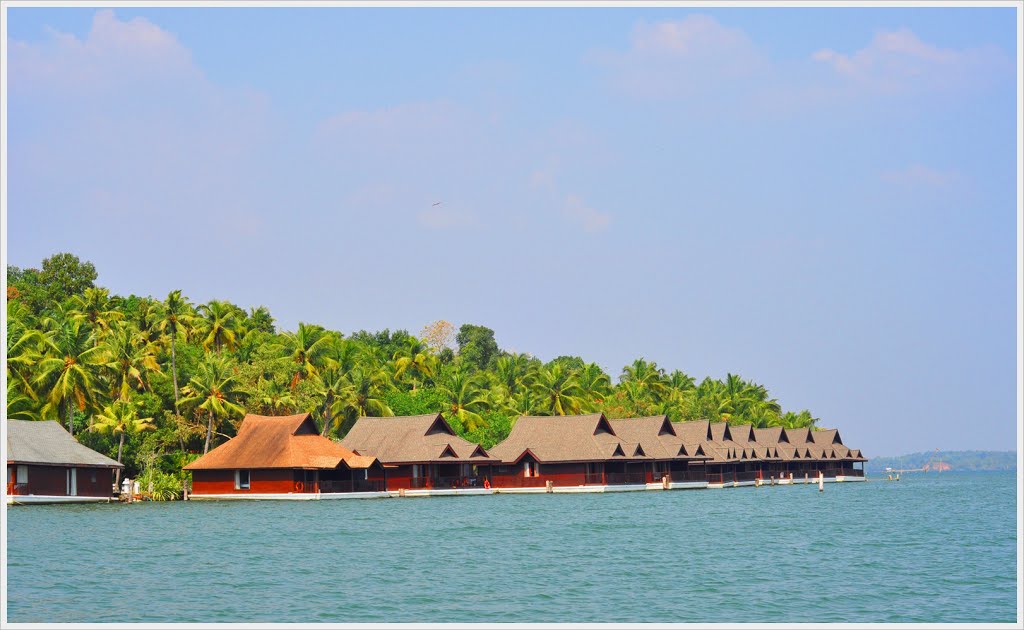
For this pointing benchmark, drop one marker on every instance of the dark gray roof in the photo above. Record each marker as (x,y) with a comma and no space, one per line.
(30,442)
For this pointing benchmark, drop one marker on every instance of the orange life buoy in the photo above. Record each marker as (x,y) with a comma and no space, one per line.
(487,484)
(299,486)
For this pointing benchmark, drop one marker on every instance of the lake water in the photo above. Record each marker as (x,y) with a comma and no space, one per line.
(930,548)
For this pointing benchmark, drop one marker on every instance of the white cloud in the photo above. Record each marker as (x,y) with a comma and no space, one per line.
(111,52)
(590,219)
(898,61)
(677,58)
(121,125)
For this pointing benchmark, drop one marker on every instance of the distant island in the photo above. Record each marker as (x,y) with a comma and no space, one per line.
(948,460)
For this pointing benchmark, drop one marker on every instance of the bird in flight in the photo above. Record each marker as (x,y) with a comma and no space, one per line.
(436,203)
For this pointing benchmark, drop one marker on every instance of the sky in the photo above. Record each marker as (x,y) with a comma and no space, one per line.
(821,200)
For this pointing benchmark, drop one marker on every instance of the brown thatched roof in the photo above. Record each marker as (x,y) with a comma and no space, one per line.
(656,436)
(413,440)
(279,442)
(586,438)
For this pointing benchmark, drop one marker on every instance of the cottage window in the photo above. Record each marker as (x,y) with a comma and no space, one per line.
(241,480)
(531,469)
(22,474)
(92,475)
(71,488)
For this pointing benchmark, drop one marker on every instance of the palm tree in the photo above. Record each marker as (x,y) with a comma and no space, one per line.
(308,345)
(121,417)
(648,376)
(513,373)
(215,391)
(70,369)
(464,397)
(414,360)
(364,395)
(594,384)
(175,318)
(558,390)
(333,389)
(129,356)
(275,397)
(96,307)
(219,325)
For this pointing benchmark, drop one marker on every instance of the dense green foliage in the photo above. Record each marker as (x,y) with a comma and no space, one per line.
(156,382)
(958,460)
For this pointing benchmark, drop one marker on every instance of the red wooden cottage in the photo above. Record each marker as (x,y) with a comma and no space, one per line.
(45,464)
(284,457)
(421,452)
(578,451)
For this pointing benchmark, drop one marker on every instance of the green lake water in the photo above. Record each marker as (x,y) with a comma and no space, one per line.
(930,548)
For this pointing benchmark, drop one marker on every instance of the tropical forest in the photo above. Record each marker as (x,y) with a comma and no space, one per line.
(155,382)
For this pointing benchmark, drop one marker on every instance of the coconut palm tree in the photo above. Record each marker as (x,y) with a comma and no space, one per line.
(594,384)
(218,325)
(415,361)
(308,345)
(364,395)
(69,372)
(558,390)
(121,417)
(175,318)
(464,397)
(648,376)
(129,357)
(214,392)
(275,397)
(332,388)
(96,307)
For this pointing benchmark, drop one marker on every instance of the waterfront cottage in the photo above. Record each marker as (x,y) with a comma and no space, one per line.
(570,451)
(45,464)
(422,453)
(669,455)
(284,457)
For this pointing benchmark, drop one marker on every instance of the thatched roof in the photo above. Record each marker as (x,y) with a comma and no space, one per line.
(413,440)
(280,442)
(47,443)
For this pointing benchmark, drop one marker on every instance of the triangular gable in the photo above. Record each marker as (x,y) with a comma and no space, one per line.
(700,451)
(603,426)
(666,428)
(796,454)
(478,452)
(709,435)
(783,437)
(448,451)
(836,439)
(639,451)
(728,434)
(682,451)
(439,426)
(618,451)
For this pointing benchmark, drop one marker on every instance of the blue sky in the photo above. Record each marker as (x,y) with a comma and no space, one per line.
(821,200)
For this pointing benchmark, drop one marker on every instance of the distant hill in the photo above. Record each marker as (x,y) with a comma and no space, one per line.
(949,460)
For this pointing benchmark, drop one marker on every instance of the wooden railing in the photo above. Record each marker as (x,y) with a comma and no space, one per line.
(745,475)
(459,482)
(618,479)
(358,485)
(715,477)
(688,475)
